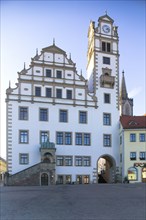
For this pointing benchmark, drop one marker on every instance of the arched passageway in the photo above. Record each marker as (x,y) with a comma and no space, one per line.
(106,167)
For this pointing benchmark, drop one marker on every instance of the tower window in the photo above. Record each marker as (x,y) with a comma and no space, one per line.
(106,98)
(106,60)
(107,119)
(106,47)
(107,140)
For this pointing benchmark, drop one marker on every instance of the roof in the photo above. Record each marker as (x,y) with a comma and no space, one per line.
(106,17)
(132,122)
(54,48)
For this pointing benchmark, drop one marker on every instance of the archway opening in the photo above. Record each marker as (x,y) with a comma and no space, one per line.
(106,168)
(44,179)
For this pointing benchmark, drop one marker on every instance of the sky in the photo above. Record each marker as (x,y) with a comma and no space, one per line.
(30,25)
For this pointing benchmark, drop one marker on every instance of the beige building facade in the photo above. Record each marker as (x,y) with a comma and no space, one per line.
(133,148)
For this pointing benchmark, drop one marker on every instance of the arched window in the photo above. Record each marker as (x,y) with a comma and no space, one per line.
(47,158)
(132,174)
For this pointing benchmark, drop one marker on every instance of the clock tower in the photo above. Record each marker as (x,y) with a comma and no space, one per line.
(103,56)
(103,82)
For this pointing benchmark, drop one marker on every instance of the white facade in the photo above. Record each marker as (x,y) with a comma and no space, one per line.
(89,109)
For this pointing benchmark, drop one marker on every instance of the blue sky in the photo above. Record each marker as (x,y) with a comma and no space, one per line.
(27,25)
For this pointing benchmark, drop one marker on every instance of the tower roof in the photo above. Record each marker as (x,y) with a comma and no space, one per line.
(123,92)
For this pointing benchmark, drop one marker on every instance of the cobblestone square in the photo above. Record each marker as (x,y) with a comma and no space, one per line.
(74,202)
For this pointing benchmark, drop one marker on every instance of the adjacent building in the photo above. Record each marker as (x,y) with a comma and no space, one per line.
(133,148)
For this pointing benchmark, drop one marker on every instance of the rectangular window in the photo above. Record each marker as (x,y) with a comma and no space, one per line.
(48,92)
(43,114)
(23,137)
(68,161)
(63,115)
(82,117)
(103,46)
(23,113)
(87,139)
(37,91)
(106,47)
(59,93)
(78,161)
(60,160)
(43,136)
(86,161)
(142,137)
(78,138)
(132,155)
(106,60)
(132,137)
(106,119)
(107,140)
(58,74)
(106,98)
(59,137)
(142,155)
(23,159)
(69,94)
(68,138)
(48,73)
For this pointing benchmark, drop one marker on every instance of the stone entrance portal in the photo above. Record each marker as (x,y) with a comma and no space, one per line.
(44,179)
(47,151)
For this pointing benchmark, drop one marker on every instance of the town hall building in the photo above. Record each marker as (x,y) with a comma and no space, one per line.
(63,128)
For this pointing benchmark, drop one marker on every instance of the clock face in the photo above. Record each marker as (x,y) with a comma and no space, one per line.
(106,28)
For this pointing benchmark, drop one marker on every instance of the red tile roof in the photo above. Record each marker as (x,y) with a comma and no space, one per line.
(131,122)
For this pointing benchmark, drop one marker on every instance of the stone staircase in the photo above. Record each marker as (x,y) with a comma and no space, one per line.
(32,175)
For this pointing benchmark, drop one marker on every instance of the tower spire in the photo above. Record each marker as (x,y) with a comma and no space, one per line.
(123,94)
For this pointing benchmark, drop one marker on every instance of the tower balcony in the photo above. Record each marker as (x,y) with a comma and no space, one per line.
(107,81)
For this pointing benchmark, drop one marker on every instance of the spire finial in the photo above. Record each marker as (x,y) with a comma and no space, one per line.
(53,41)
(36,51)
(70,56)
(9,84)
(81,72)
(106,11)
(24,65)
(123,72)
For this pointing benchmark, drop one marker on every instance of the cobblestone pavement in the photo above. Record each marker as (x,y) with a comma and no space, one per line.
(74,202)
